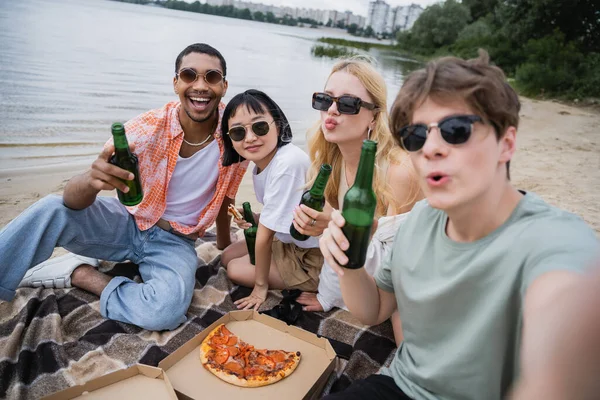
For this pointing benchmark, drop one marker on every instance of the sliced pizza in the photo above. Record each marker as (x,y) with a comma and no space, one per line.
(238,363)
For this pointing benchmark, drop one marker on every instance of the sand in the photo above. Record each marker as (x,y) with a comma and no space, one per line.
(558,157)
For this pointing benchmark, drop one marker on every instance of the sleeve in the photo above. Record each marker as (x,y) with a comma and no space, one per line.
(564,245)
(403,230)
(382,241)
(282,193)
(236,180)
(134,129)
(383,276)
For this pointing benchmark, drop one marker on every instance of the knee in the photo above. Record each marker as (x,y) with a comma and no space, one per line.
(231,272)
(234,271)
(227,255)
(164,317)
(233,251)
(50,204)
(165,310)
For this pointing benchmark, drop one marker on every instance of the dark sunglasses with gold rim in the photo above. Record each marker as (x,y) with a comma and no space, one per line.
(190,75)
(346,104)
(260,128)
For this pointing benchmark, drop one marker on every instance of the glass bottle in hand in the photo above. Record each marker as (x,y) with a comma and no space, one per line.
(314,198)
(125,159)
(359,208)
(250,233)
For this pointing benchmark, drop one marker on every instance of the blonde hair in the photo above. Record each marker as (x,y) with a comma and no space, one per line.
(321,151)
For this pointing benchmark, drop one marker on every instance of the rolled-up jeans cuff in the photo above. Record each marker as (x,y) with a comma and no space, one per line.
(6,294)
(111,287)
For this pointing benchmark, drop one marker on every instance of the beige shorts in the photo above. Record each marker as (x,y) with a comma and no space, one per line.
(299,268)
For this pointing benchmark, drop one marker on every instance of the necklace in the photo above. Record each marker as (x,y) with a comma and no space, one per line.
(197,144)
(207,137)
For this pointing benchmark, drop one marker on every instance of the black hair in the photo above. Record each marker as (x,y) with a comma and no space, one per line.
(259,103)
(201,48)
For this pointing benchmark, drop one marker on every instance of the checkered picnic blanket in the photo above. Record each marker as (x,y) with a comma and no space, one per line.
(53,339)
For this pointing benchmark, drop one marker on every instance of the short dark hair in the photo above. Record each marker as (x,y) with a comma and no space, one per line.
(201,48)
(259,103)
(481,85)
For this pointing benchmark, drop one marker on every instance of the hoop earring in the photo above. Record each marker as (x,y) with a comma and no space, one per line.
(369,133)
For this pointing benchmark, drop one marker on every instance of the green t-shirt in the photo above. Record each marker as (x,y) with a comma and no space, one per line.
(461,304)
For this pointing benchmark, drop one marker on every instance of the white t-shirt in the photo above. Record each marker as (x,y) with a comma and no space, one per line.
(279,188)
(192,185)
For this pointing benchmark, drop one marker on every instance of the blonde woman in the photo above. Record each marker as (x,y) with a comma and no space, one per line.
(353,108)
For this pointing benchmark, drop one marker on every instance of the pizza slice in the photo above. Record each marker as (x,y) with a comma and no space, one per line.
(234,212)
(238,363)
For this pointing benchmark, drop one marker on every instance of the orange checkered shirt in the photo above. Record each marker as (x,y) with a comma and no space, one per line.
(158,136)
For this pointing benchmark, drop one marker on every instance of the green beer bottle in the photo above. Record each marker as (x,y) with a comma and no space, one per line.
(314,197)
(125,159)
(359,208)
(250,233)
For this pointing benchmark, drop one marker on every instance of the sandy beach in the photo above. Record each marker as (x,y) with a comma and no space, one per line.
(558,158)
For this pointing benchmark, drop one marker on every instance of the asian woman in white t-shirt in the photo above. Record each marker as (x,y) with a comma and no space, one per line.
(256,129)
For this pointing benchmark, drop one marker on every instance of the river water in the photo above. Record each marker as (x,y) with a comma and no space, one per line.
(69,68)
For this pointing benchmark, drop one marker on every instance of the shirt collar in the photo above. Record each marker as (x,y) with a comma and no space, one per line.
(177,130)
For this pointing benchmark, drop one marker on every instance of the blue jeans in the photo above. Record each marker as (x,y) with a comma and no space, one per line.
(106,231)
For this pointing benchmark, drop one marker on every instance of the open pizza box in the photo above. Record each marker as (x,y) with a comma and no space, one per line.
(136,382)
(192,381)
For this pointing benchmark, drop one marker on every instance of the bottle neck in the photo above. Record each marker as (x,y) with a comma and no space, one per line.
(364,175)
(318,188)
(120,142)
(248,214)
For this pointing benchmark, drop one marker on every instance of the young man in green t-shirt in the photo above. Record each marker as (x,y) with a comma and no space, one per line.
(478,264)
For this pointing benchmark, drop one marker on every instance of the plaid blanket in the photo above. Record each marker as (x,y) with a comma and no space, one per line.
(53,339)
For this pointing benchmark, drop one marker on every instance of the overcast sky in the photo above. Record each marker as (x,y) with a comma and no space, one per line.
(359,7)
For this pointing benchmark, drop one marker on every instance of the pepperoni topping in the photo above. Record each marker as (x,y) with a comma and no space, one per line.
(233,351)
(267,362)
(278,356)
(219,340)
(225,331)
(235,368)
(253,371)
(221,356)
(232,341)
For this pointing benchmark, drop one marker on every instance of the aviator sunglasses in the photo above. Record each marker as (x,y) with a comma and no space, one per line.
(260,128)
(189,75)
(455,129)
(345,104)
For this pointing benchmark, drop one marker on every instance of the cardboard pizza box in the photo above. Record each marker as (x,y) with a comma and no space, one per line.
(192,381)
(136,382)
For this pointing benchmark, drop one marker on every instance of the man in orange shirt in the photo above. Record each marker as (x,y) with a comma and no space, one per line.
(186,189)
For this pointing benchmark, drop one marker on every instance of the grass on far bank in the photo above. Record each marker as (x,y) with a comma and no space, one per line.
(336,43)
(356,44)
(332,51)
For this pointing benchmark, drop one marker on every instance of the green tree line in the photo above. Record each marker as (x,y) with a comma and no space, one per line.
(550,47)
(228,11)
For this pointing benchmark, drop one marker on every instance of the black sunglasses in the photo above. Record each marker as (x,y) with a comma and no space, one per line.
(260,128)
(455,129)
(189,75)
(345,104)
